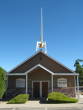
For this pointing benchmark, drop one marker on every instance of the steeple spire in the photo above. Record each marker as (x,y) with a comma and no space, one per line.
(41,39)
(41,45)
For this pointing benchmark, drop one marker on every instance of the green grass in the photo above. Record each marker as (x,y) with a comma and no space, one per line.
(19,99)
(57,97)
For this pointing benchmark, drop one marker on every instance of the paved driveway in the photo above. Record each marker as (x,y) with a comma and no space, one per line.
(44,108)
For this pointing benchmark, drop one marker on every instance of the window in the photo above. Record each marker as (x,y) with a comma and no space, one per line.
(62,82)
(20,83)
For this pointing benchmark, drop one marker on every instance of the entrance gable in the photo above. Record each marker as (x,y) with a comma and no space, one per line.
(43,59)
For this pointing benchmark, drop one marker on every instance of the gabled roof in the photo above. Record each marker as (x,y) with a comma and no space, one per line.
(43,59)
(39,66)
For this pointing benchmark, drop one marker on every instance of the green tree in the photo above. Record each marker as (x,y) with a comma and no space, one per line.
(79,69)
(3,82)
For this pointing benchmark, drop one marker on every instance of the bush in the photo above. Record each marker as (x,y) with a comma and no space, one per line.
(19,99)
(57,97)
(3,82)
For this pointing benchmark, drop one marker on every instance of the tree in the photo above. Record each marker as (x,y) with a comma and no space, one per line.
(79,69)
(3,82)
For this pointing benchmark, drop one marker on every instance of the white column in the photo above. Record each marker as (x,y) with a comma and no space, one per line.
(75,84)
(78,87)
(52,82)
(40,88)
(26,83)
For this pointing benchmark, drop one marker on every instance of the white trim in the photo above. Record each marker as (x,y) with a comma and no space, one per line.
(45,55)
(26,84)
(75,84)
(78,87)
(20,83)
(62,83)
(52,82)
(18,74)
(41,66)
(67,74)
(38,65)
(57,74)
(40,88)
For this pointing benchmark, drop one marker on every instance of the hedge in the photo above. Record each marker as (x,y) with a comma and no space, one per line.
(19,99)
(57,97)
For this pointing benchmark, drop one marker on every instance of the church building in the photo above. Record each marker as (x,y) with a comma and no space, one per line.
(41,74)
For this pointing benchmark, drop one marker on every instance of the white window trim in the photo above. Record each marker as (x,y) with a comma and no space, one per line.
(20,83)
(62,82)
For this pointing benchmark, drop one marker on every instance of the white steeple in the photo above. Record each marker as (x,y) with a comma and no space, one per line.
(41,45)
(41,39)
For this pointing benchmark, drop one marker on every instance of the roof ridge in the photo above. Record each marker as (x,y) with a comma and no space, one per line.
(27,59)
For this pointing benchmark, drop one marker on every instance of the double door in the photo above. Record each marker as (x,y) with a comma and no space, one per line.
(40,89)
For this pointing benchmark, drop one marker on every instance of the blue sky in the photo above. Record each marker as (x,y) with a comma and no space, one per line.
(20,30)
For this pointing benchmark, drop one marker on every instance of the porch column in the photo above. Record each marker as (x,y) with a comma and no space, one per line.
(78,86)
(52,81)
(26,83)
(75,84)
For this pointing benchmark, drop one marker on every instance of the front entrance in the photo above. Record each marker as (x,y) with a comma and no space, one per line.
(44,89)
(40,89)
(36,89)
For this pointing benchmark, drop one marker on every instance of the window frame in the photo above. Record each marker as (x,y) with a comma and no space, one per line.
(62,82)
(20,83)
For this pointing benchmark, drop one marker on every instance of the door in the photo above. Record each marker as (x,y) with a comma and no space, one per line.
(36,89)
(44,89)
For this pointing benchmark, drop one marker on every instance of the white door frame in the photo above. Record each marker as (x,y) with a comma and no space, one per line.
(40,83)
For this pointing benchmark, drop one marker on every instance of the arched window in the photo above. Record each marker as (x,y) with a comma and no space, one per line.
(62,82)
(20,83)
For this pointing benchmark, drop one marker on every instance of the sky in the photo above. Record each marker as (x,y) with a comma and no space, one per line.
(20,30)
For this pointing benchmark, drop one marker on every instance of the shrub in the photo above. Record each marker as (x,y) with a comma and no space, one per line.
(3,82)
(19,99)
(57,97)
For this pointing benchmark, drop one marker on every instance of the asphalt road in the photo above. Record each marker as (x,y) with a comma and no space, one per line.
(73,108)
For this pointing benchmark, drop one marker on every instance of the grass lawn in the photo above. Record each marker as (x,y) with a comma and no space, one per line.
(19,99)
(57,97)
